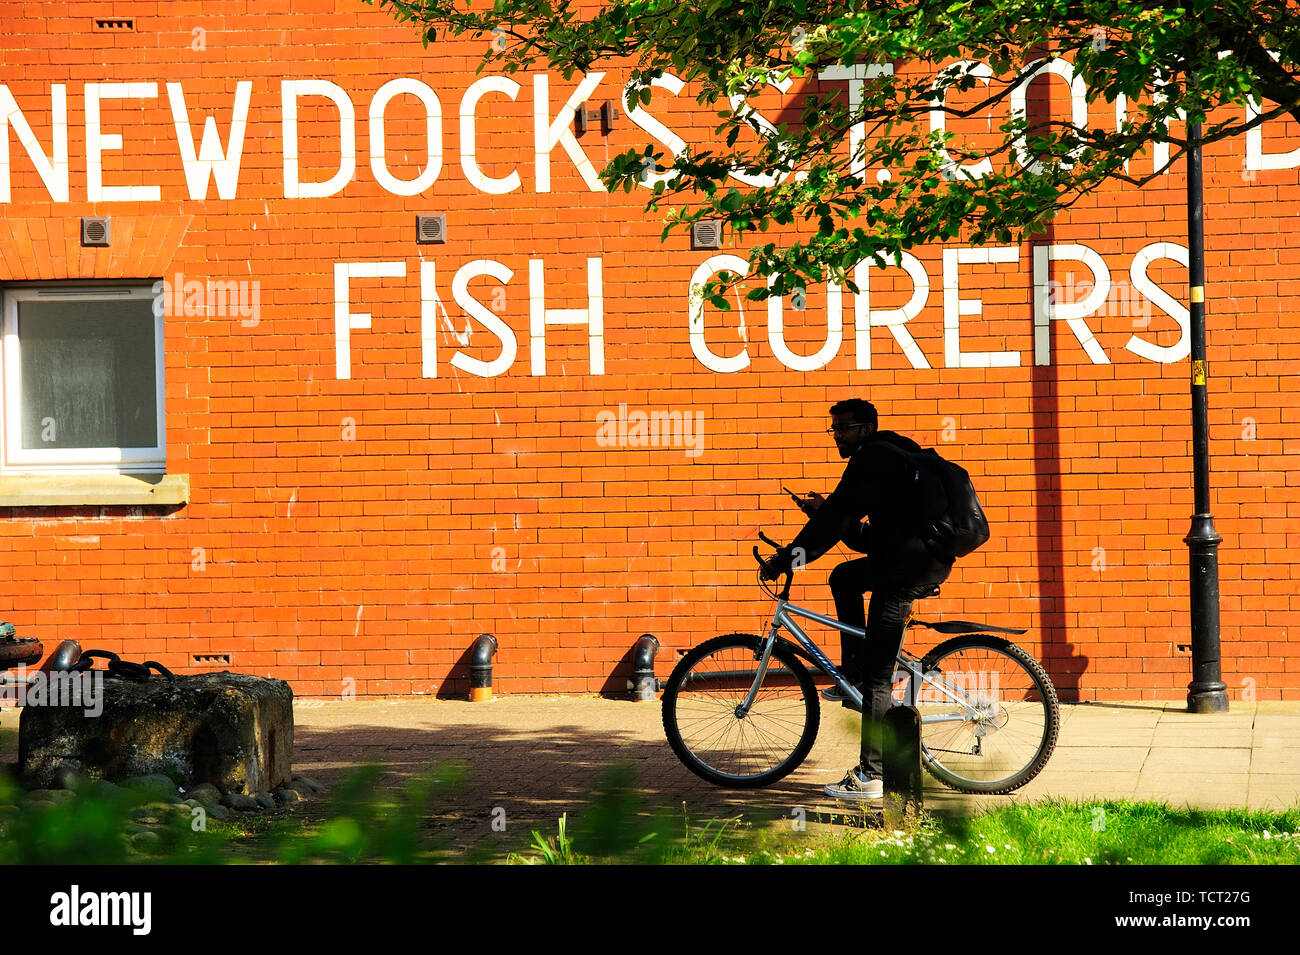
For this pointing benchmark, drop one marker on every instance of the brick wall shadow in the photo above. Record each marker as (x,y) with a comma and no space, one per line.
(1064,664)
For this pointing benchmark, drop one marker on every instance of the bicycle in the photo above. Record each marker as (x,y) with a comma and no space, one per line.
(989,713)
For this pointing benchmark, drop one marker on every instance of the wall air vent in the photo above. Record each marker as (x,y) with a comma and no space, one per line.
(431,228)
(113,25)
(706,234)
(95,231)
(210,659)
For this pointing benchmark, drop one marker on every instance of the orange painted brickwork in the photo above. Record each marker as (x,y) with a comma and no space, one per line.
(362,507)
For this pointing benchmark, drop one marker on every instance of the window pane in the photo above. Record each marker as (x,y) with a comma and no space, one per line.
(88,374)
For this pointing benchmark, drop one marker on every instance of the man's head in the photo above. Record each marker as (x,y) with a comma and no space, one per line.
(853,422)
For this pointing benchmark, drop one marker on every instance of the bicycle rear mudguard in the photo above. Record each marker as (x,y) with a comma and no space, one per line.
(963,626)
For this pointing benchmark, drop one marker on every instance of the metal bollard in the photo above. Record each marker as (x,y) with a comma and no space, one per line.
(643,683)
(902,759)
(480,667)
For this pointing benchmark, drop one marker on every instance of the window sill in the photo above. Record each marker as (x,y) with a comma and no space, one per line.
(61,490)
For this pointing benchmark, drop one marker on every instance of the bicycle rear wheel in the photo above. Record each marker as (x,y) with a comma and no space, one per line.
(989,715)
(712,741)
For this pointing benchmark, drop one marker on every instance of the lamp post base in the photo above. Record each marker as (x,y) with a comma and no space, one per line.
(1206,693)
(1207,698)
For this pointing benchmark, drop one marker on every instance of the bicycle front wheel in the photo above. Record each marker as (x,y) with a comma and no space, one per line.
(989,715)
(714,742)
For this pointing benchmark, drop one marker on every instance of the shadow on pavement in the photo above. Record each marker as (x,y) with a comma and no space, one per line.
(516,782)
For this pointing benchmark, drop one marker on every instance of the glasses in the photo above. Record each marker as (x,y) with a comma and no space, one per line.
(841,428)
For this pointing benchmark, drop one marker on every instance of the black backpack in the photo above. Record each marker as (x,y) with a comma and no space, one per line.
(959,527)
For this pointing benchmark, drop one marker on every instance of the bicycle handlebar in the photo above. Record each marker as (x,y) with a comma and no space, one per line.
(789,574)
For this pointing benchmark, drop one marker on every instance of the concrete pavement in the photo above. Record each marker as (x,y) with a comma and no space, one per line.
(533,758)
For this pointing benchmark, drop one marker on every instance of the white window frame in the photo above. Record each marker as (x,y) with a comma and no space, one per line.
(14,458)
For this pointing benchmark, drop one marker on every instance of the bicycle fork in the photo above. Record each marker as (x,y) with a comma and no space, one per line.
(742,708)
(783,620)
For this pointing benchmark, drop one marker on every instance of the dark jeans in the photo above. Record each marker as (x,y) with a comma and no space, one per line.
(869,663)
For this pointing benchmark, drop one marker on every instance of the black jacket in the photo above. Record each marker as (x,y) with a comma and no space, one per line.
(880,484)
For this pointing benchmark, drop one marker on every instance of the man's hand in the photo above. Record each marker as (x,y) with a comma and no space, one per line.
(809,503)
(776,565)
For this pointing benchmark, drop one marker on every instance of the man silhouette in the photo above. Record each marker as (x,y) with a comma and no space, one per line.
(880,484)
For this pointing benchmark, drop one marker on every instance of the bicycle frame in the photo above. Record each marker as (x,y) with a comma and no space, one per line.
(808,649)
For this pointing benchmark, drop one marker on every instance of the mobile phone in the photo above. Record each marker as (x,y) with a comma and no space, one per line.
(797,499)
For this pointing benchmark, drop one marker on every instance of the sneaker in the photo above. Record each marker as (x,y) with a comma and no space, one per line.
(856,788)
(834,694)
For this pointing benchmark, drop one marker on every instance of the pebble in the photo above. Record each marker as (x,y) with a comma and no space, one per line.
(302,782)
(145,839)
(104,787)
(51,795)
(154,785)
(206,793)
(66,778)
(239,801)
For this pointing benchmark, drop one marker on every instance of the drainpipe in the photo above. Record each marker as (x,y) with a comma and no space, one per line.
(643,683)
(480,667)
(65,657)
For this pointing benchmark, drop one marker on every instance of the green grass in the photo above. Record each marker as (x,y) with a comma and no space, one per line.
(361,823)
(88,827)
(91,828)
(1060,832)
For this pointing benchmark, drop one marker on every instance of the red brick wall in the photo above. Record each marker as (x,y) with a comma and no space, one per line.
(355,534)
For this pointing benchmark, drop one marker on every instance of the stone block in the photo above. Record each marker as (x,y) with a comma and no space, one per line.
(232,730)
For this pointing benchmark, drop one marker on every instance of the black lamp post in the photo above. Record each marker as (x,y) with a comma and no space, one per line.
(1207,693)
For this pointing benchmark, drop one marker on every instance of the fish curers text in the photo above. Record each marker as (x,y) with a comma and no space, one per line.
(1076,313)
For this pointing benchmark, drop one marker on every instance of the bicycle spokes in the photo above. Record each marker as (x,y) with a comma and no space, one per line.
(717,735)
(986,718)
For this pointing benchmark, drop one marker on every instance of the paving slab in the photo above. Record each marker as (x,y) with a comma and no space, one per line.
(1281,726)
(1107,737)
(1274,792)
(1118,715)
(1275,761)
(1090,758)
(1183,718)
(1198,760)
(1280,707)
(1178,735)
